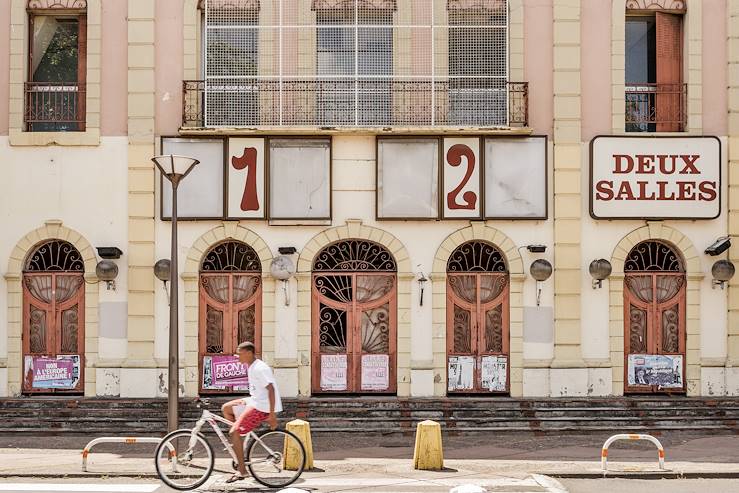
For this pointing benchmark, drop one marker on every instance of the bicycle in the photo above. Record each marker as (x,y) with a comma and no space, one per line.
(275,458)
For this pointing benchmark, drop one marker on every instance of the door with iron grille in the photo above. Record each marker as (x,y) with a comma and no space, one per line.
(354,319)
(654,315)
(230,310)
(477,320)
(53,319)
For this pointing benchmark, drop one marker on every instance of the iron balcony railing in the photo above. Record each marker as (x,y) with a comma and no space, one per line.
(656,107)
(349,103)
(54,106)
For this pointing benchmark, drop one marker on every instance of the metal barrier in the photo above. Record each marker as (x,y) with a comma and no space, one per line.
(129,440)
(631,436)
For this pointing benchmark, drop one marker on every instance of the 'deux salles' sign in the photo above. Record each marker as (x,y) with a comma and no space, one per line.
(655,177)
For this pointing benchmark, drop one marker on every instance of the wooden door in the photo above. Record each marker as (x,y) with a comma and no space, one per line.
(654,320)
(478,332)
(354,343)
(53,329)
(230,313)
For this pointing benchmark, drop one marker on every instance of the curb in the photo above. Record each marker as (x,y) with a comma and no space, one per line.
(646,475)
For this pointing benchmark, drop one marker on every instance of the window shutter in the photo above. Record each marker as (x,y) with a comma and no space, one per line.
(669,72)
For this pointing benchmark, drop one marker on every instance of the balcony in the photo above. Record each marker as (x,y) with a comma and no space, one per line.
(348,103)
(54,106)
(656,107)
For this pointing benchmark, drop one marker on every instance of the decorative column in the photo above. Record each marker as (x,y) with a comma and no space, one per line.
(565,380)
(732,370)
(138,377)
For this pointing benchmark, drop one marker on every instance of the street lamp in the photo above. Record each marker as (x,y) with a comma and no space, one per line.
(174,168)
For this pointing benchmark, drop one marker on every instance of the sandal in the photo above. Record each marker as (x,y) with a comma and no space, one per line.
(237,476)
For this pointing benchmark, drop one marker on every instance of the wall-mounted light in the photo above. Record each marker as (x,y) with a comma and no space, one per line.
(540,270)
(107,271)
(162,271)
(722,271)
(282,269)
(599,269)
(719,246)
(422,280)
(536,248)
(111,253)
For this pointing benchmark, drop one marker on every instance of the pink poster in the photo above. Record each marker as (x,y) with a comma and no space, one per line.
(61,372)
(333,372)
(375,372)
(227,371)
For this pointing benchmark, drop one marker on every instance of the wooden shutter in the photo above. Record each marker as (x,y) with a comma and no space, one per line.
(81,115)
(669,71)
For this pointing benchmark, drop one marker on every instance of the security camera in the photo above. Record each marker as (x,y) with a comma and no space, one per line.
(719,246)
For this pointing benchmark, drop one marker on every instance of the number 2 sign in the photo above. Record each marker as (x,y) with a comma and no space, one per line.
(246,178)
(461,178)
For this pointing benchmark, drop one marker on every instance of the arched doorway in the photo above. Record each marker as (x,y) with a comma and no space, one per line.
(354,318)
(53,319)
(478,344)
(230,309)
(654,319)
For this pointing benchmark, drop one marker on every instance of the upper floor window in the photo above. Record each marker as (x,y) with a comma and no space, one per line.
(369,63)
(55,91)
(656,97)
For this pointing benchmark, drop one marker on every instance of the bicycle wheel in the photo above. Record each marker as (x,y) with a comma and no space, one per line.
(276,458)
(194,464)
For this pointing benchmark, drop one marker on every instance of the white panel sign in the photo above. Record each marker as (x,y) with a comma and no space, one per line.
(333,372)
(300,179)
(461,373)
(516,178)
(461,194)
(201,193)
(375,372)
(246,178)
(407,178)
(494,373)
(657,177)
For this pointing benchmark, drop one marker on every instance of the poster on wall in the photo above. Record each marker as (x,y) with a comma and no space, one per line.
(333,372)
(660,370)
(375,372)
(655,178)
(461,372)
(494,373)
(246,178)
(461,178)
(60,372)
(228,371)
(208,375)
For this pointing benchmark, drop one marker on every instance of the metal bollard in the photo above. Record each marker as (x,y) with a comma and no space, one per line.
(631,436)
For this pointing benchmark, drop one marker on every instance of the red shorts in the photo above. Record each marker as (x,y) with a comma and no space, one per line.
(250,419)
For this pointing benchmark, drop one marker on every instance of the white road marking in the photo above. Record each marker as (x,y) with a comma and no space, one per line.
(94,488)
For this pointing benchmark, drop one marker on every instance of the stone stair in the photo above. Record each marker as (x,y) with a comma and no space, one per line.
(61,415)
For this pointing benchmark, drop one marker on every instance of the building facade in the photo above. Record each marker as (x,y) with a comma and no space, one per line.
(421,198)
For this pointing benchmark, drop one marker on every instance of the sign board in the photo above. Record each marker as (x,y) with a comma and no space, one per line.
(375,372)
(655,177)
(461,178)
(246,178)
(461,373)
(333,372)
(227,370)
(60,372)
(494,373)
(660,370)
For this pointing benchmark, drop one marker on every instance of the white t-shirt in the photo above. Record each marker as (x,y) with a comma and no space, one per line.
(260,375)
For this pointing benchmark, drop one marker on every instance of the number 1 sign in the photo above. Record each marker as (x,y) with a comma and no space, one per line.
(246,178)
(461,178)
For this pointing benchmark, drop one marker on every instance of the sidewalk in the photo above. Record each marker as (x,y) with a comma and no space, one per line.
(340,458)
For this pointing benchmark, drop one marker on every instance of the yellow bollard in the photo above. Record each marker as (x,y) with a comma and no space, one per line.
(428,454)
(291,454)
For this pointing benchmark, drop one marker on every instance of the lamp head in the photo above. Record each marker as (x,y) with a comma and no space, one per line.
(174,167)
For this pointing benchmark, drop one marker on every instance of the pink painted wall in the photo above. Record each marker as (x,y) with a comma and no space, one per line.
(4,65)
(169,65)
(114,75)
(595,77)
(538,63)
(715,97)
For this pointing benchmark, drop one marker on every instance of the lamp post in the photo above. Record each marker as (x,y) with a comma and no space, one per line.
(174,168)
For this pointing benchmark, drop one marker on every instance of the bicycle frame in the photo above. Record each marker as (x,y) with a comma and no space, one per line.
(213,420)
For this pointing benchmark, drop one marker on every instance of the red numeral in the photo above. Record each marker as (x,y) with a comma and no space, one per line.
(454,157)
(250,200)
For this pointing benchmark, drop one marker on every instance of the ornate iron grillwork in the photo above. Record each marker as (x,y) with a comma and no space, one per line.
(653,256)
(655,5)
(476,256)
(57,4)
(231,256)
(57,256)
(355,255)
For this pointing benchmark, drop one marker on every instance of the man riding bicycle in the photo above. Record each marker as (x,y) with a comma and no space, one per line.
(262,405)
